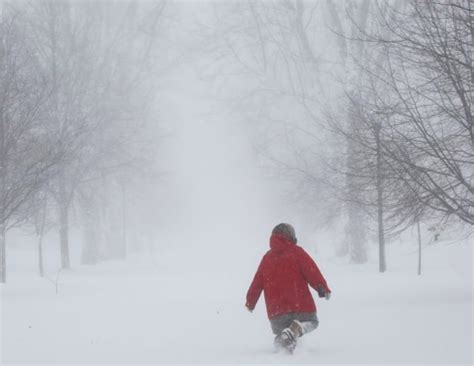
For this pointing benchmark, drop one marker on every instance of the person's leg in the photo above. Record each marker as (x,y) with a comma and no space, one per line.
(283,340)
(304,323)
(281,322)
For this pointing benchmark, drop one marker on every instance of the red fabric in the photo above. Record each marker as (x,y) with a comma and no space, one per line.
(283,275)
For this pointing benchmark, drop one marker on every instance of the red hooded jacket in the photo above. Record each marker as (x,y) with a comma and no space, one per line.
(284,274)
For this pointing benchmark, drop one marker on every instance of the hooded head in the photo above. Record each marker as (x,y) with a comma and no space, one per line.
(285,230)
(283,236)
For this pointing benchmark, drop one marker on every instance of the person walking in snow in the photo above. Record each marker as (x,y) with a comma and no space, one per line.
(284,274)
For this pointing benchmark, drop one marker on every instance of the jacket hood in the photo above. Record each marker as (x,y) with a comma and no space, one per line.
(280,243)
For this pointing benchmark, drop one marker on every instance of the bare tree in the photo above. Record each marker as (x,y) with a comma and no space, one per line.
(346,25)
(427,73)
(27,159)
(97,70)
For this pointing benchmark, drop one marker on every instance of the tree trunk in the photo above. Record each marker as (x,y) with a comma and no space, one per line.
(63,224)
(92,224)
(419,247)
(382,264)
(357,246)
(355,229)
(40,254)
(3,262)
(124,222)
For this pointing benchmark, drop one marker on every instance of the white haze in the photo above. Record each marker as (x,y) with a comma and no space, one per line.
(178,296)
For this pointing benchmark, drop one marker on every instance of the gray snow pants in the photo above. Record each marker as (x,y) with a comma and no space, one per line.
(309,322)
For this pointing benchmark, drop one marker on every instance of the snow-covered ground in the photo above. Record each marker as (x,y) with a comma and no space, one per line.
(186,306)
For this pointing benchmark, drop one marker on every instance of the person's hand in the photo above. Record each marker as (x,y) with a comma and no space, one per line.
(250,309)
(327,295)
